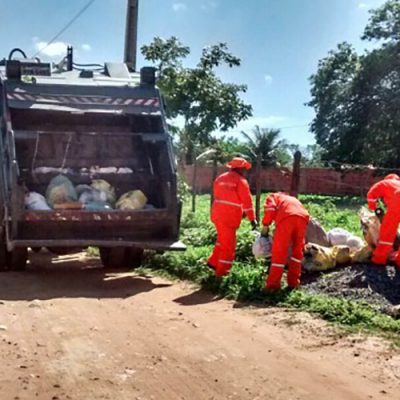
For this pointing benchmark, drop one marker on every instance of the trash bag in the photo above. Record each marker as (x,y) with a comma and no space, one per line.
(89,194)
(362,255)
(339,236)
(370,225)
(106,188)
(316,233)
(321,258)
(355,243)
(132,200)
(262,247)
(35,201)
(60,190)
(97,206)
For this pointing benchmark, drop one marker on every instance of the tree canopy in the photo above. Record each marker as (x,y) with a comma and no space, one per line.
(268,143)
(197,94)
(357,97)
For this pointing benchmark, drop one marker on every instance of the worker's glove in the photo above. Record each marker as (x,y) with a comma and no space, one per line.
(380,213)
(265,231)
(254,224)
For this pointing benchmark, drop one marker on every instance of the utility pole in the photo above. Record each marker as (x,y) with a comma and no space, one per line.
(131,34)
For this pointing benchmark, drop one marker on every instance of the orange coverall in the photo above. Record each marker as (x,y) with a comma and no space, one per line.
(291,220)
(389,191)
(232,198)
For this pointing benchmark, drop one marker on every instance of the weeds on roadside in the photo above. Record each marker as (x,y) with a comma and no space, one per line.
(246,279)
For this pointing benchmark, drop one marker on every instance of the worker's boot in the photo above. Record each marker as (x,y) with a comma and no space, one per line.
(397,259)
(294,273)
(381,254)
(273,281)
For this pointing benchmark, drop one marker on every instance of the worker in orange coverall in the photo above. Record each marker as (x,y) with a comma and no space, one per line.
(232,199)
(291,220)
(388,190)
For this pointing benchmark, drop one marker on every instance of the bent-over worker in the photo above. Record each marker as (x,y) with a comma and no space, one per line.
(232,199)
(388,190)
(291,220)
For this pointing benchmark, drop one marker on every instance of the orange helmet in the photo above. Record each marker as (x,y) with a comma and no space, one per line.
(238,162)
(392,176)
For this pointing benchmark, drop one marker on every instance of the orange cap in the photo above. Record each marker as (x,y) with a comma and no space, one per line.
(392,176)
(238,162)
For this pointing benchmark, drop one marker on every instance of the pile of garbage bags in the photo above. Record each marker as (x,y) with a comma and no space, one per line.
(326,250)
(99,195)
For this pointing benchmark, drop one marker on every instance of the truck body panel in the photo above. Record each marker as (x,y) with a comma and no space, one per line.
(86,128)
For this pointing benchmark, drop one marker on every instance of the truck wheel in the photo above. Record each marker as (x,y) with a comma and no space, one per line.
(113,257)
(134,256)
(17,258)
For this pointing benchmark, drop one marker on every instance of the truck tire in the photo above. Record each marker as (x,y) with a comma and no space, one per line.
(134,257)
(113,257)
(17,258)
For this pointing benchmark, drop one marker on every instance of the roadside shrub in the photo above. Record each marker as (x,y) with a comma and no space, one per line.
(244,282)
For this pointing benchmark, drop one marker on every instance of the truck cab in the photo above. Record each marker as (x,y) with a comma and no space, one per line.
(109,124)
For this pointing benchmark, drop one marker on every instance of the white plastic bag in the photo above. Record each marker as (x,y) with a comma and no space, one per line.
(35,201)
(262,247)
(341,237)
(338,236)
(88,194)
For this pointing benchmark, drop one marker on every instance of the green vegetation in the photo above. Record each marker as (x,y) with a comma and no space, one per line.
(356,96)
(247,277)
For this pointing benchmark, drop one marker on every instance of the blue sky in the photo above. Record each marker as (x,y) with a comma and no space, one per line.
(279,41)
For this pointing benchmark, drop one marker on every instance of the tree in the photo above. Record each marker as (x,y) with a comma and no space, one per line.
(205,103)
(331,92)
(266,142)
(357,98)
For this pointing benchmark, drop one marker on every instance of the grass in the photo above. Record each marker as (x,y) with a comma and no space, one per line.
(246,279)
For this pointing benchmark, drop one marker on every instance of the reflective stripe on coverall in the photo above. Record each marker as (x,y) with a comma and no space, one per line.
(389,191)
(232,198)
(291,220)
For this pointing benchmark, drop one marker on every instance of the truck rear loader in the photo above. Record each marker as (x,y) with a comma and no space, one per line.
(108,123)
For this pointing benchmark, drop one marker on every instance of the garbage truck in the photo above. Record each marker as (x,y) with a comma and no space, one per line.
(101,123)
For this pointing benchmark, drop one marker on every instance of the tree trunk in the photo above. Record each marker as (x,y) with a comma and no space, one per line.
(294,187)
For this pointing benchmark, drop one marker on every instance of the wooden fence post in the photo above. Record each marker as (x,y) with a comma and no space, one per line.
(258,186)
(294,187)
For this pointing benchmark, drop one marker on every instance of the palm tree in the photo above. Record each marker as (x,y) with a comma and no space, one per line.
(266,141)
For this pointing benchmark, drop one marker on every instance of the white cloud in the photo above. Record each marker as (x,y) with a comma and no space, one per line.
(54,50)
(363,5)
(86,47)
(179,7)
(268,79)
(209,5)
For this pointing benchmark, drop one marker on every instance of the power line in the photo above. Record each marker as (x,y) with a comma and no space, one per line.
(88,4)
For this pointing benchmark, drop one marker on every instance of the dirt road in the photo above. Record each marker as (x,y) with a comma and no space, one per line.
(68,331)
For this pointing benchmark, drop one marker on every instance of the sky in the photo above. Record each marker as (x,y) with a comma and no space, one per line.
(278,41)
